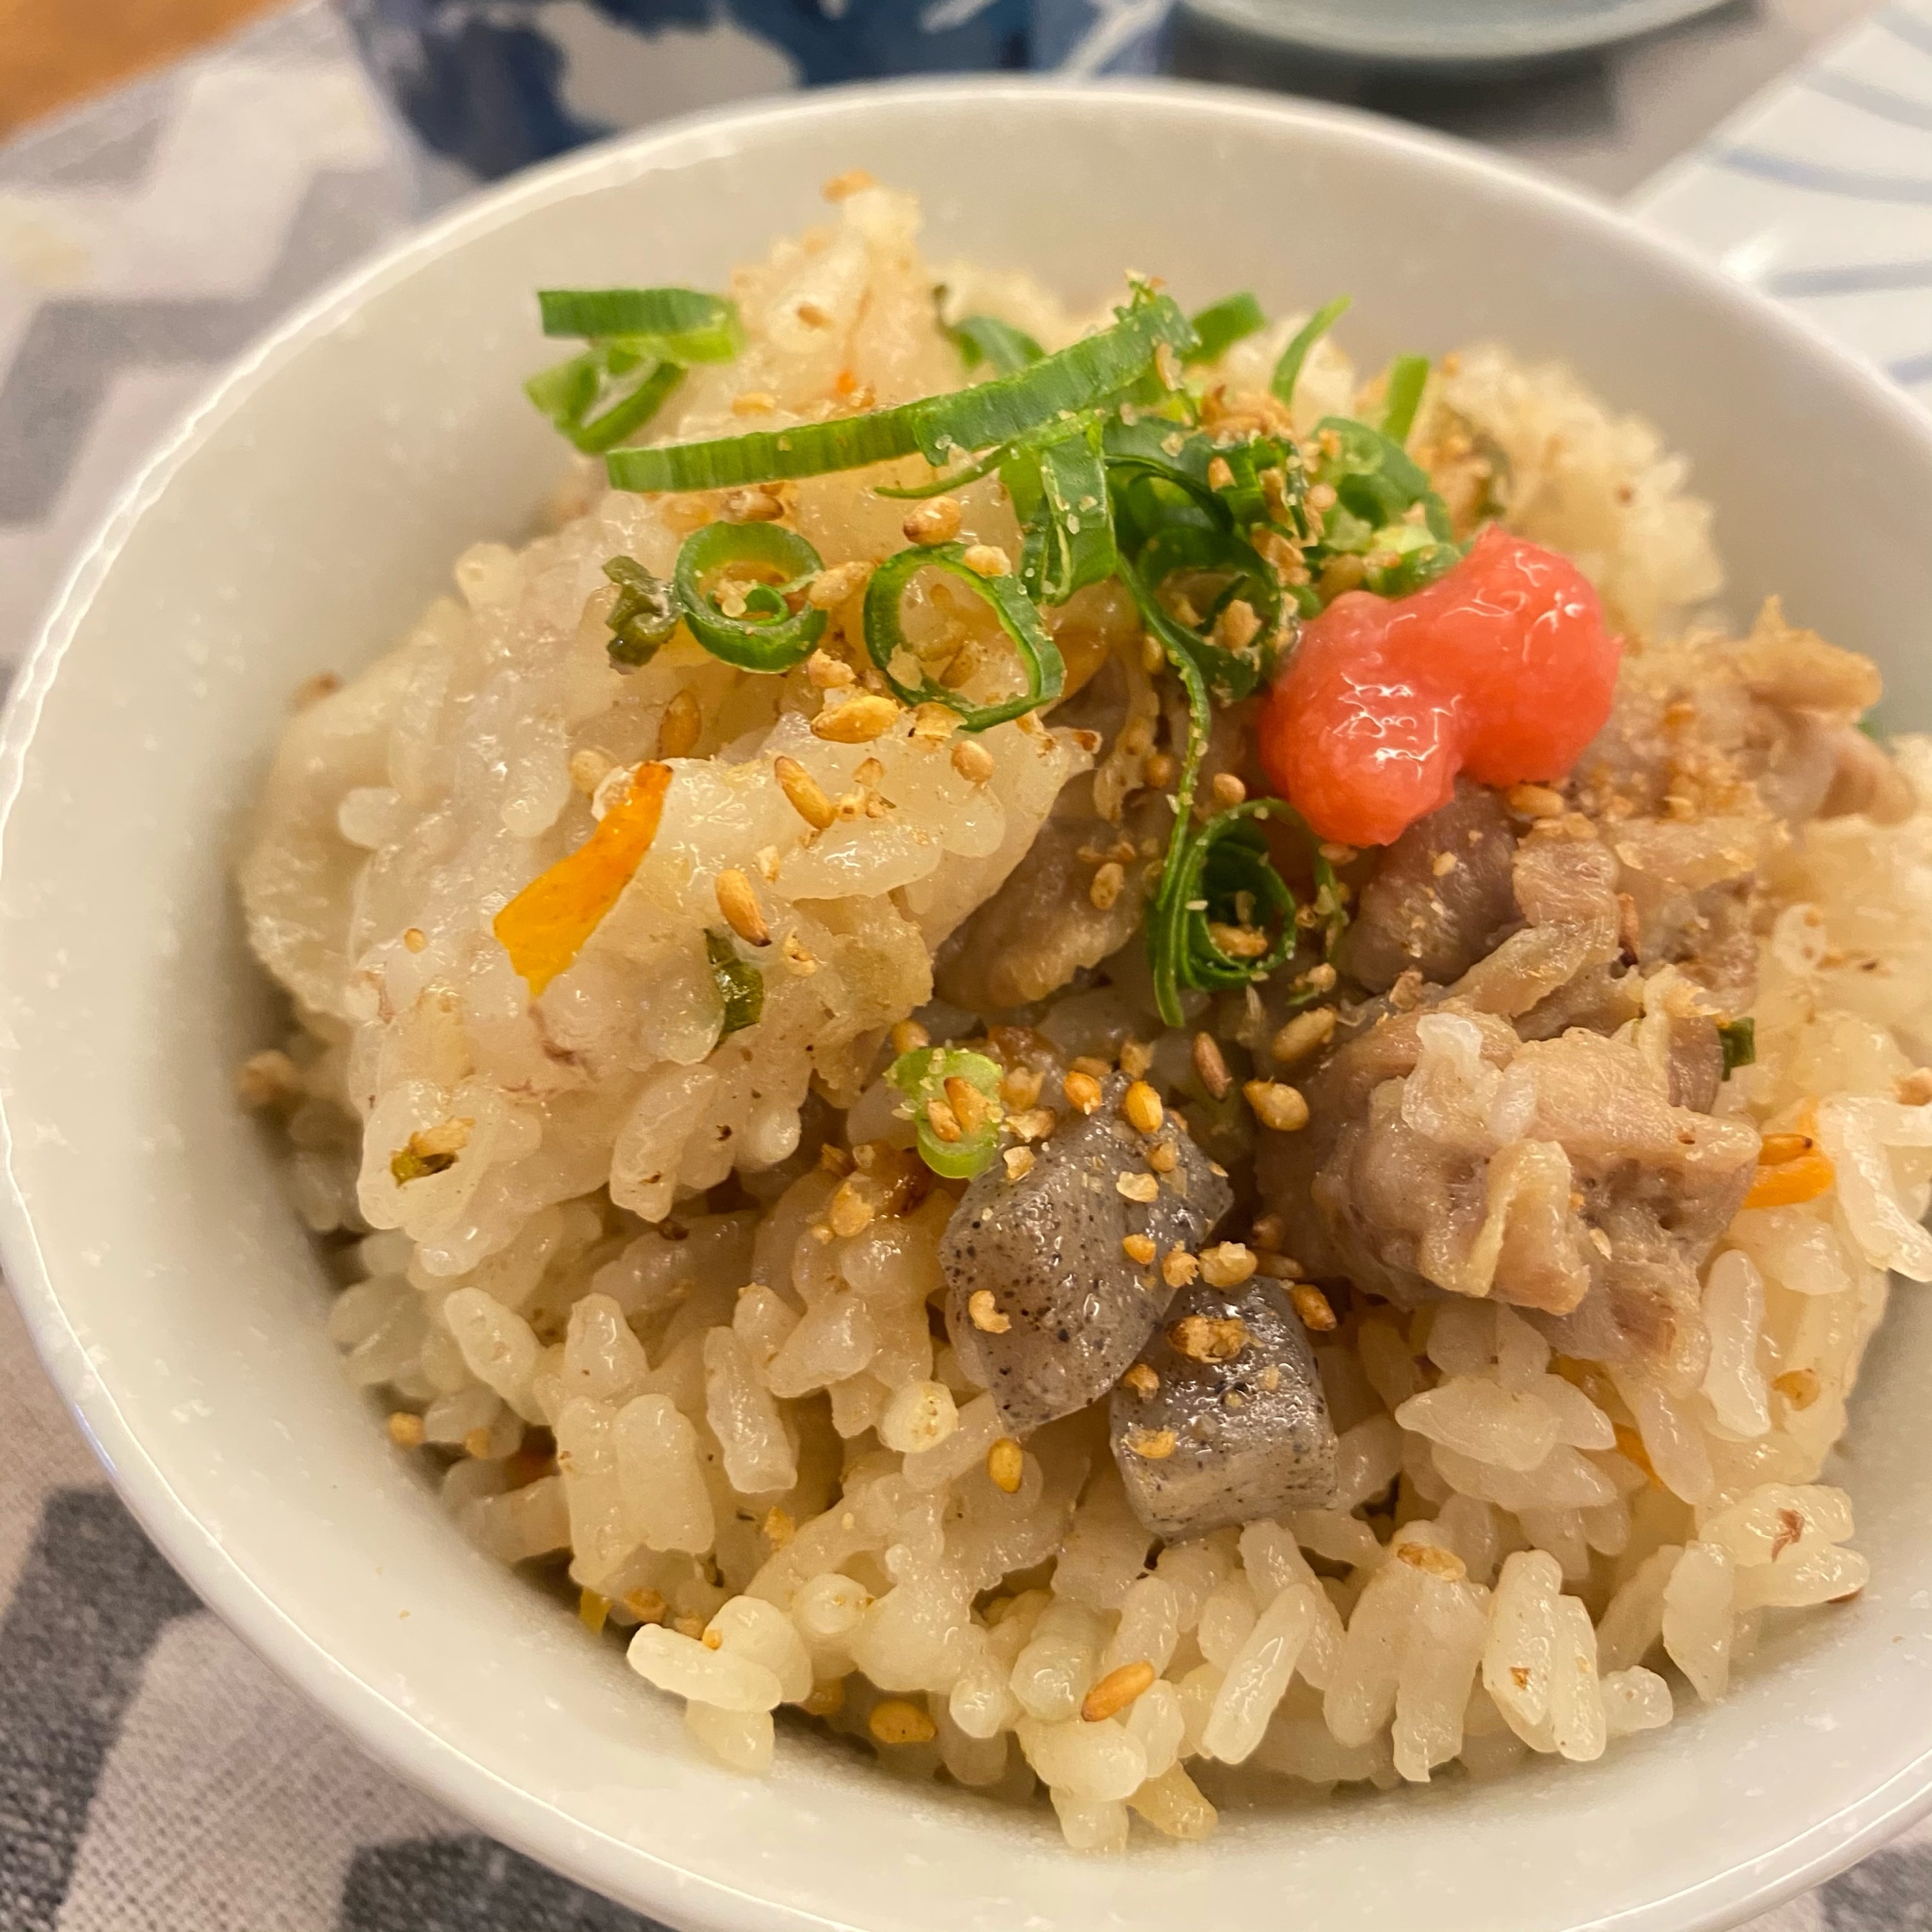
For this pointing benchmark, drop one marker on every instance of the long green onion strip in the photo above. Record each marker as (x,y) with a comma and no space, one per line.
(1288,371)
(1012,608)
(940,428)
(956,1107)
(1407,377)
(1224,323)
(640,341)
(674,325)
(776,628)
(740,986)
(985,338)
(644,615)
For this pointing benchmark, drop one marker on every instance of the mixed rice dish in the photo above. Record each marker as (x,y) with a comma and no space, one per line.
(1104,1053)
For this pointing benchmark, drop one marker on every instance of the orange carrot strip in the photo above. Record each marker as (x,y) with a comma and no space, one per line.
(1791,1181)
(544,927)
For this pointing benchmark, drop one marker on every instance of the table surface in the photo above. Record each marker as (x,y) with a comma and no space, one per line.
(153,1776)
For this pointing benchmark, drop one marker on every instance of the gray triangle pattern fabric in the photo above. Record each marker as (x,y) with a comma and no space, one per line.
(155,1775)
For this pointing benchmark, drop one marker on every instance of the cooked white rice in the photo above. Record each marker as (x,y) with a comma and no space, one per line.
(767,1468)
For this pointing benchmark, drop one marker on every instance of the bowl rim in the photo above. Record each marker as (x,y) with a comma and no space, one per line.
(380,1723)
(1339,32)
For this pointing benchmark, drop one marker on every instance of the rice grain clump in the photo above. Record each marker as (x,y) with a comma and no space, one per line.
(775,1197)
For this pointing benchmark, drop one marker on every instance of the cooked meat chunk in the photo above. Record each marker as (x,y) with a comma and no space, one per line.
(1049,921)
(1443,1153)
(1044,1304)
(1567,889)
(1223,1419)
(1441,896)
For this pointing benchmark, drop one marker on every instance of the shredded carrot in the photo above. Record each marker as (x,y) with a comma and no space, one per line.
(1790,1181)
(544,927)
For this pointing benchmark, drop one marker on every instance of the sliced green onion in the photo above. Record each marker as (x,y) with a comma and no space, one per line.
(956,1107)
(985,338)
(604,395)
(778,628)
(1038,655)
(939,428)
(674,325)
(1738,1038)
(740,986)
(644,615)
(1288,371)
(1224,323)
(1058,484)
(1406,375)
(1221,863)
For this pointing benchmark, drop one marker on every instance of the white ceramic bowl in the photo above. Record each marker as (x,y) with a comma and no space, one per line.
(313,505)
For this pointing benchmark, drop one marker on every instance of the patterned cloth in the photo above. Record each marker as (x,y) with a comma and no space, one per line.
(154,1775)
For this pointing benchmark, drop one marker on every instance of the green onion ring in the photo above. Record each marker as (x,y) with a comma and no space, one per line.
(769,642)
(938,428)
(674,325)
(1039,654)
(921,1076)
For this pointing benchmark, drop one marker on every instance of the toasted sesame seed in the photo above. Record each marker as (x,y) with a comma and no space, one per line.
(972,760)
(739,904)
(797,956)
(943,1120)
(1211,1065)
(589,768)
(1108,882)
(1237,626)
(1033,1124)
(1141,1379)
(1535,801)
(1138,1249)
(1226,1264)
(806,795)
(1431,1561)
(858,721)
(986,560)
(269,1079)
(1163,1156)
(936,521)
(753,505)
(1178,1268)
(827,1699)
(754,403)
(1082,1091)
(415,939)
(932,724)
(1302,1035)
(1142,1187)
(1019,1087)
(1228,789)
(850,1211)
(1443,863)
(834,1159)
(1160,770)
(1018,1162)
(1151,1446)
(1278,1267)
(680,728)
(834,585)
(1208,1338)
(1006,1466)
(406,1431)
(1141,1105)
(895,1721)
(313,690)
(779,1526)
(1115,1691)
(648,1605)
(1913,1088)
(1269,1232)
(984,1311)
(1136,1057)
(908,1037)
(829,672)
(1312,1305)
(1276,1104)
